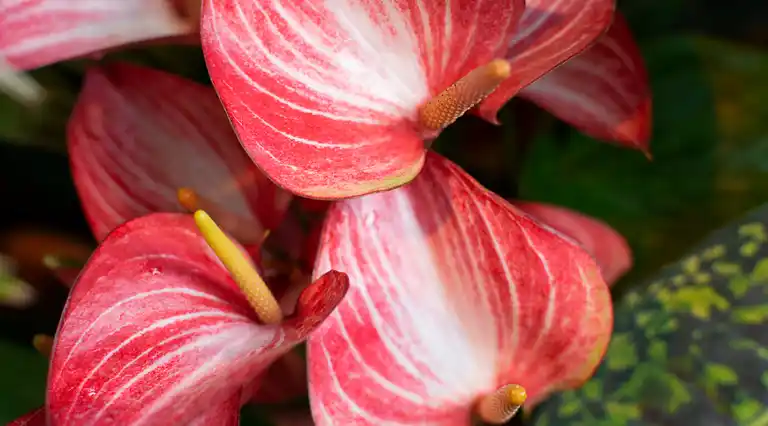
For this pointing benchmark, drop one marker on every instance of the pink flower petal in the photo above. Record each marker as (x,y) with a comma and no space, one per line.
(156,331)
(603,92)
(33,418)
(455,293)
(608,247)
(41,32)
(549,33)
(225,414)
(137,135)
(324,96)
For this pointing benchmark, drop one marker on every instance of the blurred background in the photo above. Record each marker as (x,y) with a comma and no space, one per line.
(708,64)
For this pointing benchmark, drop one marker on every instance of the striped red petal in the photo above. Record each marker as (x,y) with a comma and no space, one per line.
(324,95)
(610,250)
(156,332)
(41,32)
(603,92)
(549,33)
(455,293)
(224,414)
(137,135)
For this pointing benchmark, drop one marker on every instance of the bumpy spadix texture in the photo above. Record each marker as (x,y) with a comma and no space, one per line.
(454,294)
(156,332)
(41,32)
(137,135)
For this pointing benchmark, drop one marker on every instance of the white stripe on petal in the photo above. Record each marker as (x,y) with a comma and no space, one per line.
(454,293)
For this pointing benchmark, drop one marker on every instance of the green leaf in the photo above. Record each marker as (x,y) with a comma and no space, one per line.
(22,387)
(686,350)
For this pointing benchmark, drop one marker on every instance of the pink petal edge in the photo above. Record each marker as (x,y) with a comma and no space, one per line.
(155,329)
(454,294)
(550,32)
(324,99)
(137,135)
(603,92)
(41,32)
(610,250)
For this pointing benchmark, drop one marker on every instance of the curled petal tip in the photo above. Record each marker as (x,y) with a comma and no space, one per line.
(319,299)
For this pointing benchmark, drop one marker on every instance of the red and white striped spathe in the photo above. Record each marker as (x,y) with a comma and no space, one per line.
(156,332)
(137,135)
(40,32)
(324,94)
(454,294)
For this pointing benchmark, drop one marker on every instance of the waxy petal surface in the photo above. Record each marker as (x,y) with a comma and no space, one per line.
(41,32)
(610,250)
(156,330)
(603,92)
(137,135)
(454,293)
(224,414)
(324,95)
(549,33)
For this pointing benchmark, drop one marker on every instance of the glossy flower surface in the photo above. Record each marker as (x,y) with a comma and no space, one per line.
(454,294)
(325,96)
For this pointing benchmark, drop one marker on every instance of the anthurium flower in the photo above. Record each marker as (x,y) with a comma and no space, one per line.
(138,136)
(41,32)
(143,141)
(609,249)
(336,99)
(460,303)
(168,323)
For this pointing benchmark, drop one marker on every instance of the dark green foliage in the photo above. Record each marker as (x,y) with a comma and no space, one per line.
(691,348)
